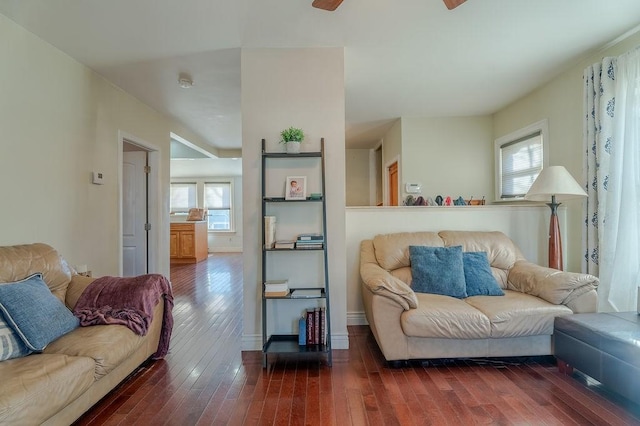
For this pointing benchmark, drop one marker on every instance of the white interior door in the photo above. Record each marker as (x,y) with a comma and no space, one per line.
(134,213)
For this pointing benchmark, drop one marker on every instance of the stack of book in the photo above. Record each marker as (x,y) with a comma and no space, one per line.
(276,288)
(313,327)
(285,244)
(310,241)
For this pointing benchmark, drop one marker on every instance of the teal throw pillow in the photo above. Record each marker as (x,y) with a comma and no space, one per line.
(478,276)
(11,346)
(438,270)
(34,313)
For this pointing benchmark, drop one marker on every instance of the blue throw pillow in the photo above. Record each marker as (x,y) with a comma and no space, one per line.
(34,313)
(11,346)
(438,270)
(478,276)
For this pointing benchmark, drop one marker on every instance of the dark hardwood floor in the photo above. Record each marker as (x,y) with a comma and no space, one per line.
(207,380)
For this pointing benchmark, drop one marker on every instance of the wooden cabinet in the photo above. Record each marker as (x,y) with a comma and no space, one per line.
(188,242)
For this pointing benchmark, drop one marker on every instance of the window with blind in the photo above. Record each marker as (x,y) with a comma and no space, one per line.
(218,202)
(520,157)
(183,197)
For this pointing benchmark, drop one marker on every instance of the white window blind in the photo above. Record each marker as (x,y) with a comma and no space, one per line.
(183,197)
(217,201)
(521,162)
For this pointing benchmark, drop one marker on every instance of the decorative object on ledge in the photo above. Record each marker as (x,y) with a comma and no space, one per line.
(292,138)
(556,183)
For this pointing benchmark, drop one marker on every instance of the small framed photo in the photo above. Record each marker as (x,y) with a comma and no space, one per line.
(296,188)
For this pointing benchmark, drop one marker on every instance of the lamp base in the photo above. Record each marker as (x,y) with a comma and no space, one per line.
(555,243)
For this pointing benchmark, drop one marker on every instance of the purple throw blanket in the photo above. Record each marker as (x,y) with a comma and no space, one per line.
(128,301)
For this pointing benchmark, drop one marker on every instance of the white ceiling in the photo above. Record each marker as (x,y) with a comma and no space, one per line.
(402,57)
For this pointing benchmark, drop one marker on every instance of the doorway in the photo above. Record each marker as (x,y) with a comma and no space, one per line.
(135,210)
(140,215)
(392,173)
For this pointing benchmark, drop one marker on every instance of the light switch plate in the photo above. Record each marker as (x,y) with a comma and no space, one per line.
(98,178)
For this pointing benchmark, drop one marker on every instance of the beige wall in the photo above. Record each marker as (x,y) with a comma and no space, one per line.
(302,88)
(561,102)
(358,177)
(60,121)
(449,156)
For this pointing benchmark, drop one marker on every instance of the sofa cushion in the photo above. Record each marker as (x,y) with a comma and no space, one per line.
(392,250)
(438,270)
(34,313)
(37,386)
(478,277)
(11,346)
(444,316)
(518,314)
(17,262)
(501,251)
(107,345)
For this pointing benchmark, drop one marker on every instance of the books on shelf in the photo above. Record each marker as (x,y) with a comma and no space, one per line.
(312,327)
(310,246)
(276,288)
(310,241)
(306,293)
(285,244)
(311,237)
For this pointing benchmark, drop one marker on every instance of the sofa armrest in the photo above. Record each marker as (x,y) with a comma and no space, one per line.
(76,287)
(552,285)
(381,282)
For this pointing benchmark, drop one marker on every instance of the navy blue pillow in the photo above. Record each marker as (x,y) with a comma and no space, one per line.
(438,270)
(34,313)
(478,276)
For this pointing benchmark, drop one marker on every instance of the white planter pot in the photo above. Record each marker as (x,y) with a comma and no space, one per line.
(293,147)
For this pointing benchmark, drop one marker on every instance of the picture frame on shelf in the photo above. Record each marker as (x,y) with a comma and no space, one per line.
(295,188)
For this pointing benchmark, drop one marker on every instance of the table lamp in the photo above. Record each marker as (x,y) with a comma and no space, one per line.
(556,183)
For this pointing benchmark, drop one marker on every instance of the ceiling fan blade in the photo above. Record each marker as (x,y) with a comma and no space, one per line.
(326,4)
(452,4)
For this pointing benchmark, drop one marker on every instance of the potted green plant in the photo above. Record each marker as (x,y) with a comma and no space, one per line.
(292,138)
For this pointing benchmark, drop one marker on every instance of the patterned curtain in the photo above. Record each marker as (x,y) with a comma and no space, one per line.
(612,167)
(599,106)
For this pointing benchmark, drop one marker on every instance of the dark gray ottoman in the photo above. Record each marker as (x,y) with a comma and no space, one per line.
(605,346)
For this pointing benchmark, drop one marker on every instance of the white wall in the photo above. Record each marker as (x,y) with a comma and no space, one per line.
(302,88)
(561,102)
(358,177)
(60,121)
(449,156)
(206,170)
(527,226)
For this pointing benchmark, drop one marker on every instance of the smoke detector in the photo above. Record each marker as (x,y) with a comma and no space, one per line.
(185,81)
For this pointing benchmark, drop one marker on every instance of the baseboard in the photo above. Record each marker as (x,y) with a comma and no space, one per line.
(253,342)
(356,318)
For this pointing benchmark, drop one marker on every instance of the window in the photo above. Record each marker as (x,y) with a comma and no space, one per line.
(183,197)
(217,201)
(520,156)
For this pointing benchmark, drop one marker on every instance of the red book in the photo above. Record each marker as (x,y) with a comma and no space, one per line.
(316,328)
(310,327)
(323,324)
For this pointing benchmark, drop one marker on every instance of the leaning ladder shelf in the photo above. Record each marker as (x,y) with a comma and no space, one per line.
(288,343)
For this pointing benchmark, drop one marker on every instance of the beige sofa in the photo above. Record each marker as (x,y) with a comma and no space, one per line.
(75,371)
(410,325)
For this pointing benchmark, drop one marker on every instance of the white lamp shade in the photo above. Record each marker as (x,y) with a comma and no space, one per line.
(554,180)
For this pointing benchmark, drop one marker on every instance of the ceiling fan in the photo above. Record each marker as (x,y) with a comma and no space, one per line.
(333,4)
